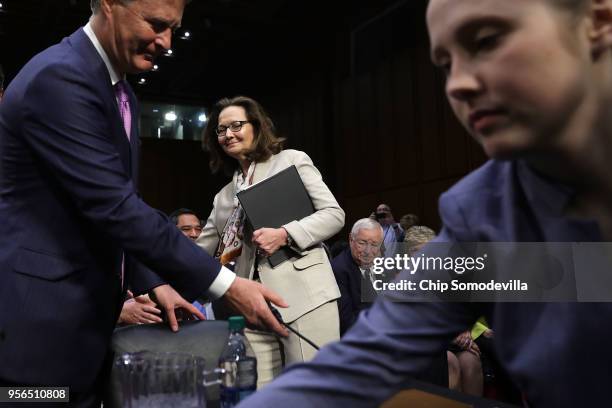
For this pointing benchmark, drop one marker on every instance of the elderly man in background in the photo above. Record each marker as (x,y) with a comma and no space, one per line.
(352,269)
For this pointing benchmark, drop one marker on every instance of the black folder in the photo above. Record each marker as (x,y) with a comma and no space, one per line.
(274,202)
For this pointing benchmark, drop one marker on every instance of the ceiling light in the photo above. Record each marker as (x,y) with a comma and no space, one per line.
(202,117)
(170,116)
(142,81)
(155,67)
(168,52)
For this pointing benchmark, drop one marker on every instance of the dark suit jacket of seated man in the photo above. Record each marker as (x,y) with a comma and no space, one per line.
(356,286)
(352,285)
(72,222)
(357,292)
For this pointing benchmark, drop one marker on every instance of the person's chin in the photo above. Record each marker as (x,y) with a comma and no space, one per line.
(140,64)
(503,144)
(503,150)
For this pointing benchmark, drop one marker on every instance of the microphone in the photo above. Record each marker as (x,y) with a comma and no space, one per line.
(278,316)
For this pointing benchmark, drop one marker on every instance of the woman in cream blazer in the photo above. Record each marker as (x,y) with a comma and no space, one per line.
(240,138)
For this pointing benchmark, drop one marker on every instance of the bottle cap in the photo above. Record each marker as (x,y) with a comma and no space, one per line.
(236,323)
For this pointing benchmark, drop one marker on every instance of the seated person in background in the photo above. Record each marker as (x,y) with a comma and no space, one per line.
(497,383)
(464,366)
(416,237)
(139,310)
(473,366)
(392,231)
(188,222)
(355,280)
(352,270)
(190,225)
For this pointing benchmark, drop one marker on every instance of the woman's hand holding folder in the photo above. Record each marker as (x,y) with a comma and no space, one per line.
(270,240)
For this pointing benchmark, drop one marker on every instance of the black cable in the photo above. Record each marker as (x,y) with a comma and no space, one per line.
(301,336)
(278,316)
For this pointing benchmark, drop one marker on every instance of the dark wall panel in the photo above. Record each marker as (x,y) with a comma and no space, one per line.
(375,122)
(175,174)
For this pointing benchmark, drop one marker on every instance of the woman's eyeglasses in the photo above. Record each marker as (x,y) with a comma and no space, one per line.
(234,127)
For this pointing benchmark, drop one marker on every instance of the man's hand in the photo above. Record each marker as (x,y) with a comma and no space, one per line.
(172,302)
(249,299)
(138,311)
(270,239)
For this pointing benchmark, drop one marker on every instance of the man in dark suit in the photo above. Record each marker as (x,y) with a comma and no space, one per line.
(73,229)
(352,270)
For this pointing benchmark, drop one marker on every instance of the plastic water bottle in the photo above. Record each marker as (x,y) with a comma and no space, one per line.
(239,377)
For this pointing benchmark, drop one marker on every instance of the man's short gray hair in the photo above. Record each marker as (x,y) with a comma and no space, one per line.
(365,223)
(95,4)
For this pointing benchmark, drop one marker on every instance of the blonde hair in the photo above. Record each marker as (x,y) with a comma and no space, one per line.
(416,236)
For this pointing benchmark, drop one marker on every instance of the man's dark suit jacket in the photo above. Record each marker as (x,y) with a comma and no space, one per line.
(350,281)
(69,211)
(558,353)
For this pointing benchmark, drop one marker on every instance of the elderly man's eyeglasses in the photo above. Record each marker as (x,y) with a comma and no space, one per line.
(234,127)
(365,244)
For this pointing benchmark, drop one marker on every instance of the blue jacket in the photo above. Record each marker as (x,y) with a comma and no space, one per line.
(558,353)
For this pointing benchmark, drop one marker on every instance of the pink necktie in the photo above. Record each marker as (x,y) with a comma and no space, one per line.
(124,106)
(124,110)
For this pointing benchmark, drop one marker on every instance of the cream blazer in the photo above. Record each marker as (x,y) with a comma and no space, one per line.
(305,282)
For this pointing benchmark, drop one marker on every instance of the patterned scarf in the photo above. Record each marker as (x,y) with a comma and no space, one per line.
(230,244)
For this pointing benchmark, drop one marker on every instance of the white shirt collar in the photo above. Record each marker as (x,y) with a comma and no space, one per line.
(115,77)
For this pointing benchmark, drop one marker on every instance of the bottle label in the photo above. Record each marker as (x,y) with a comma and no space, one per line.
(239,374)
(230,373)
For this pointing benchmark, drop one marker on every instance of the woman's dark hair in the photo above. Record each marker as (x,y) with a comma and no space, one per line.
(265,141)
